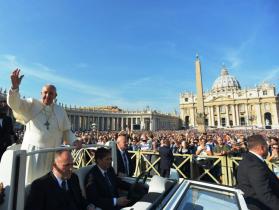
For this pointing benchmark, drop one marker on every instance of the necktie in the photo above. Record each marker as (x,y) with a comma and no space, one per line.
(64,185)
(107,179)
(125,163)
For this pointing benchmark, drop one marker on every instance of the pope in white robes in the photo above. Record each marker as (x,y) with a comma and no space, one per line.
(47,126)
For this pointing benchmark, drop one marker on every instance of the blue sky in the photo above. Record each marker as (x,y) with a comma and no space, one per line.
(136,53)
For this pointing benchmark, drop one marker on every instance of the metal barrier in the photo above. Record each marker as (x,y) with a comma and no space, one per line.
(233,163)
(220,170)
(145,161)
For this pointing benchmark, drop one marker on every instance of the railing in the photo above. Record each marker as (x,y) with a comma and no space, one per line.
(215,169)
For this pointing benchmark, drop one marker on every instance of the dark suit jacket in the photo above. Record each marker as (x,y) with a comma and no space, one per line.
(259,183)
(120,163)
(99,192)
(6,132)
(46,194)
(166,156)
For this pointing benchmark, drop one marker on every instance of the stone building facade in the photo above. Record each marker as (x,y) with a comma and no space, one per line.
(106,119)
(228,105)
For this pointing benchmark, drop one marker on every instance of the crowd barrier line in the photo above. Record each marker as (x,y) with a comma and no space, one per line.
(142,159)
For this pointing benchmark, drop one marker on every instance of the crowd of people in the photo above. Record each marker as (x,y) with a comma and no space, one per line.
(215,142)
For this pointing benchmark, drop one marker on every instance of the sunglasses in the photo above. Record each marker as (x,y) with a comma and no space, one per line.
(275,147)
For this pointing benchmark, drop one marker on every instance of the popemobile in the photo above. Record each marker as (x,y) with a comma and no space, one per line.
(162,193)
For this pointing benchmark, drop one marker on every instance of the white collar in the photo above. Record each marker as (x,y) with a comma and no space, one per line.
(260,157)
(59,180)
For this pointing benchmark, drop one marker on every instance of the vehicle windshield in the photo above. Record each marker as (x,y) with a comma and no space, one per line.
(204,198)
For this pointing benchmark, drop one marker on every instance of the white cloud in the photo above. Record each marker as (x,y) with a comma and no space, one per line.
(234,55)
(42,72)
(272,75)
(139,82)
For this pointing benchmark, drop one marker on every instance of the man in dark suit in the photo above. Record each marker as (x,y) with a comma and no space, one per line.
(166,158)
(59,189)
(2,194)
(255,179)
(6,128)
(102,184)
(125,167)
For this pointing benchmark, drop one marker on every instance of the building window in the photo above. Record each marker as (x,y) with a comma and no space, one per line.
(242,121)
(186,99)
(265,92)
(223,121)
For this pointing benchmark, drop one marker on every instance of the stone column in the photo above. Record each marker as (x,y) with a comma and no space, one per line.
(246,115)
(233,115)
(109,123)
(142,125)
(151,124)
(122,123)
(102,123)
(259,115)
(212,115)
(86,123)
(155,124)
(117,123)
(192,117)
(98,123)
(218,116)
(237,115)
(227,116)
(274,115)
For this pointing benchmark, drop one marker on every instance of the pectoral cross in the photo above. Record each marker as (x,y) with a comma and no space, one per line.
(47,124)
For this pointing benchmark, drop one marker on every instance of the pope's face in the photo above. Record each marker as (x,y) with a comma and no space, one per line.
(48,95)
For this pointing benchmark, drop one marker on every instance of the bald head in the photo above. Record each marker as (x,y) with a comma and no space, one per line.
(122,142)
(63,164)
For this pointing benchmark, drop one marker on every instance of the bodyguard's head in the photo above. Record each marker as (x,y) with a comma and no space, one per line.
(122,142)
(103,158)
(63,164)
(257,144)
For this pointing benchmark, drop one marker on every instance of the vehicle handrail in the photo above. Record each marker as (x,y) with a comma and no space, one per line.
(65,147)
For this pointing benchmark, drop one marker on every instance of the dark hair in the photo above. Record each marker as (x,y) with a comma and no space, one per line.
(101,153)
(255,140)
(274,138)
(59,153)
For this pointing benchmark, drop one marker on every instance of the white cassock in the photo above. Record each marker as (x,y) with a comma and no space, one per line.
(46,127)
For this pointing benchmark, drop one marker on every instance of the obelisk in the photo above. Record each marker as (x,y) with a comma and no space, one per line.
(200,104)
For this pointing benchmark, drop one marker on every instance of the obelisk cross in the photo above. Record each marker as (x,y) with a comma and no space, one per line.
(47,124)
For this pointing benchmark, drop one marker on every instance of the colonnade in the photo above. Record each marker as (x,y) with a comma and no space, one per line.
(106,121)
